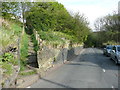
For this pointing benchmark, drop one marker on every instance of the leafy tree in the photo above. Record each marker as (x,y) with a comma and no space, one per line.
(53,16)
(9,9)
(44,16)
(109,27)
(81,28)
(16,10)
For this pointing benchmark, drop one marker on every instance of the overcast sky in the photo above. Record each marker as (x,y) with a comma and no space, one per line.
(92,9)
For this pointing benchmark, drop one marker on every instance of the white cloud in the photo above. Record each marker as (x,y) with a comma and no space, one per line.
(93,9)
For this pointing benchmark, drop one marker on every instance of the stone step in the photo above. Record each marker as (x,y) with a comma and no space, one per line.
(32,59)
(35,65)
(31,45)
(31,53)
(31,50)
(25,81)
(29,70)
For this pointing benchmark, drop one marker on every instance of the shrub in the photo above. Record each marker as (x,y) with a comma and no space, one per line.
(7,62)
(9,57)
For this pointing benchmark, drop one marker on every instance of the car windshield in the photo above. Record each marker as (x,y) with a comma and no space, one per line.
(109,47)
(118,49)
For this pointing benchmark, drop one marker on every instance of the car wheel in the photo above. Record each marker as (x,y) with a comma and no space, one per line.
(111,58)
(116,61)
(103,53)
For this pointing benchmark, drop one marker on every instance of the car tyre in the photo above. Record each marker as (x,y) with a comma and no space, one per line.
(116,61)
(111,58)
(103,53)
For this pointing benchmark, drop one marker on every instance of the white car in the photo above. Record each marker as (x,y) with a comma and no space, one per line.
(115,54)
(107,49)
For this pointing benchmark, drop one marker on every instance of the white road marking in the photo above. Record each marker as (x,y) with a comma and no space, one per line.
(113,88)
(103,70)
(28,87)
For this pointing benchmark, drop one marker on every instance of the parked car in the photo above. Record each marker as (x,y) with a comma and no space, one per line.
(107,50)
(115,54)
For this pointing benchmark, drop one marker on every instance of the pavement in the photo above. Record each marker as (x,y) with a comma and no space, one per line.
(90,69)
(26,81)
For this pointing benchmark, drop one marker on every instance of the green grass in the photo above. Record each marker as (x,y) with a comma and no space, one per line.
(9,34)
(22,65)
(49,36)
(27,73)
(7,61)
(24,47)
(54,38)
(35,42)
(8,38)
(9,57)
(23,51)
(7,67)
(17,29)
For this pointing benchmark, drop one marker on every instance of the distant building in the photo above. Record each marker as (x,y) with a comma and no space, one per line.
(119,7)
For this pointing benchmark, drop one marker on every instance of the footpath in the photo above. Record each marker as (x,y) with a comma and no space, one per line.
(24,81)
(29,80)
(29,75)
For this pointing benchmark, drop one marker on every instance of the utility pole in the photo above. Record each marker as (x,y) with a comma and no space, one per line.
(23,17)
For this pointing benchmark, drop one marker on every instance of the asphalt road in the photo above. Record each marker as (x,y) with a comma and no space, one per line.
(90,69)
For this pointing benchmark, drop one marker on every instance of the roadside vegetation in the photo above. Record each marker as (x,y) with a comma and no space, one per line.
(51,20)
(8,41)
(107,31)
(10,33)
(54,24)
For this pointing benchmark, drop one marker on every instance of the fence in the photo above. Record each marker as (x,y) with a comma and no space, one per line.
(37,37)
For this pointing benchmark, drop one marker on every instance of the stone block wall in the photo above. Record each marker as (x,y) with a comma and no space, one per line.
(48,57)
(74,52)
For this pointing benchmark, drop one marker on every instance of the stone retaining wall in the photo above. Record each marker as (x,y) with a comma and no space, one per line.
(74,52)
(48,57)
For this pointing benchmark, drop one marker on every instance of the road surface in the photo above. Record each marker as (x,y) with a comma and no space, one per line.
(90,69)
